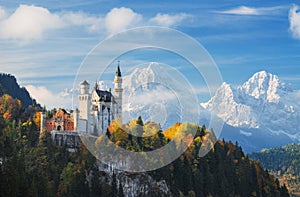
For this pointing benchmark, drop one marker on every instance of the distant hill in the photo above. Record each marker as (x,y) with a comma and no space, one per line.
(284,162)
(10,86)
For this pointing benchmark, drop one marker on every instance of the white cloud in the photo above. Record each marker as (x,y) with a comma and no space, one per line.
(294,18)
(93,23)
(29,23)
(244,10)
(46,97)
(2,13)
(168,20)
(119,19)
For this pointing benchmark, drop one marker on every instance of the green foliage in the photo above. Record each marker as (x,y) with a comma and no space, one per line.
(32,165)
(283,162)
(224,171)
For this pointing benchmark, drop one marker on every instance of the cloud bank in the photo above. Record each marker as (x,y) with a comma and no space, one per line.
(2,13)
(48,98)
(294,19)
(30,23)
(245,10)
(169,20)
(119,19)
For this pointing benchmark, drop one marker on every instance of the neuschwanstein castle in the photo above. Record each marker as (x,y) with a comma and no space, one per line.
(96,110)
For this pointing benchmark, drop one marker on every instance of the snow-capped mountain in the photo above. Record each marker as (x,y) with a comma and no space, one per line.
(261,113)
(262,103)
(157,93)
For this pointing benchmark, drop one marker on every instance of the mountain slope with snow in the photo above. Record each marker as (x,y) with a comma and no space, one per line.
(158,93)
(263,102)
(261,113)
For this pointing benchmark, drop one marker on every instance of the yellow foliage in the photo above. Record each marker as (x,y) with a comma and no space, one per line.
(113,127)
(198,139)
(171,132)
(118,142)
(150,129)
(37,119)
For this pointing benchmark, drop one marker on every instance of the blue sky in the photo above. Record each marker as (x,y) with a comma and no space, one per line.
(43,43)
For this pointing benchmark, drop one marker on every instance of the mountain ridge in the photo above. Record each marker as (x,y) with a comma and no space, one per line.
(262,107)
(262,102)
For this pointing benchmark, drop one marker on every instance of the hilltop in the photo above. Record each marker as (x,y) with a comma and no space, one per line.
(10,86)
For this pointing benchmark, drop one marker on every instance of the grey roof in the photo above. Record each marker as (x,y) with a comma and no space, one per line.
(118,72)
(84,83)
(105,96)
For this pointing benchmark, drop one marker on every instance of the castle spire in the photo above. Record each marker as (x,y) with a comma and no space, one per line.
(118,72)
(118,90)
(96,85)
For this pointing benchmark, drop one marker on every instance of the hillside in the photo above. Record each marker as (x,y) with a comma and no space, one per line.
(32,165)
(9,85)
(284,162)
(224,171)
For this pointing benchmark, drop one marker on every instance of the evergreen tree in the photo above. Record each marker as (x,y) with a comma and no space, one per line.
(120,192)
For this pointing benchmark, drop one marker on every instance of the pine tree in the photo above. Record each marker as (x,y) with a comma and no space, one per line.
(120,192)
(114,186)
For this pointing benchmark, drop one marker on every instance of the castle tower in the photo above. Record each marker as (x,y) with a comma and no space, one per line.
(118,90)
(76,117)
(43,121)
(84,101)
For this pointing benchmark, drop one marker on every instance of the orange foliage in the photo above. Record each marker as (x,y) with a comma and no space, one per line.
(37,119)
(113,127)
(170,133)
(231,148)
(7,115)
(10,107)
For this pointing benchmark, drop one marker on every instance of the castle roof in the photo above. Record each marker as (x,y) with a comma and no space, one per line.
(105,96)
(118,72)
(84,83)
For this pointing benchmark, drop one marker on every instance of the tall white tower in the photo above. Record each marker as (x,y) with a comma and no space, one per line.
(84,101)
(118,90)
(43,121)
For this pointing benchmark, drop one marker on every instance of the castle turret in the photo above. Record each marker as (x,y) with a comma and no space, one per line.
(84,87)
(118,90)
(43,121)
(84,101)
(76,117)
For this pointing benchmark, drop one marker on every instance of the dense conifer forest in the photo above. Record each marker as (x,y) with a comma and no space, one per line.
(284,163)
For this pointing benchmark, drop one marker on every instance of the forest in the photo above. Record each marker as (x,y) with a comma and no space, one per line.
(32,165)
(284,163)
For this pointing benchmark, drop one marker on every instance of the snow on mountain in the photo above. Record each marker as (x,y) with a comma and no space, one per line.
(226,105)
(261,113)
(263,102)
(157,92)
